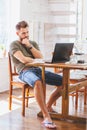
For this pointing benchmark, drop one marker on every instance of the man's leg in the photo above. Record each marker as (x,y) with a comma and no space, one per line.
(38,92)
(39,95)
(35,81)
(53,97)
(55,80)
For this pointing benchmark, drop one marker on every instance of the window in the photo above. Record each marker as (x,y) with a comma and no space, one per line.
(3,24)
(9,15)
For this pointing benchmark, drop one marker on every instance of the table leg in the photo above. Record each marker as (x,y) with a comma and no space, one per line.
(44,84)
(65,97)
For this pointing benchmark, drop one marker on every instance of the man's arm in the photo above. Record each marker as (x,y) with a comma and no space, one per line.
(36,53)
(22,58)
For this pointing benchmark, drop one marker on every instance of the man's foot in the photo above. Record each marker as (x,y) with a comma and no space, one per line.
(49,125)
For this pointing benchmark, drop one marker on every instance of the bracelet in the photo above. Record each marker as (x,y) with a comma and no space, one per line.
(30,47)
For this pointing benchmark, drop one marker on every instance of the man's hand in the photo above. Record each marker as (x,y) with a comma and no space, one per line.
(26,42)
(36,53)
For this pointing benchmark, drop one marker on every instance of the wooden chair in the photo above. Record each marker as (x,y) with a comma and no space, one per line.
(77,90)
(17,84)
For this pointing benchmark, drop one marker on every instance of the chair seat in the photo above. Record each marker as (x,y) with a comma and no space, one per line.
(17,83)
(16,79)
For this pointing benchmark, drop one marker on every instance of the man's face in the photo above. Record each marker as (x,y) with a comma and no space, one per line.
(23,33)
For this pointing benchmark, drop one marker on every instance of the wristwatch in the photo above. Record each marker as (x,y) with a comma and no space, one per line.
(30,47)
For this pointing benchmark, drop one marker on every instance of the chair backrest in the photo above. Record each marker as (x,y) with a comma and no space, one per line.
(12,69)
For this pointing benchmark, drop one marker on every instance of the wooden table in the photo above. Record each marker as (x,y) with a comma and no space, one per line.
(65,98)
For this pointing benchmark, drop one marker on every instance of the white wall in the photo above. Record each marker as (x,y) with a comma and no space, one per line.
(4,77)
(14,16)
(84,22)
(32,10)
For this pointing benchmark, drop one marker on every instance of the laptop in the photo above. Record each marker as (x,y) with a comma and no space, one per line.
(62,52)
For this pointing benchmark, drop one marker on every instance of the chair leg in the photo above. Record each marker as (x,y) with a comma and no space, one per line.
(76,102)
(27,95)
(85,94)
(10,98)
(23,101)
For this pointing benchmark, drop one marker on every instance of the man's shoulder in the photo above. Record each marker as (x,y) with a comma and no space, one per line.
(32,42)
(14,43)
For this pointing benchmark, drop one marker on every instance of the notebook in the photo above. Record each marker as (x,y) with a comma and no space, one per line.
(62,52)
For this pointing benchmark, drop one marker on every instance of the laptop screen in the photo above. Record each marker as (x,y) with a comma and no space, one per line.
(62,52)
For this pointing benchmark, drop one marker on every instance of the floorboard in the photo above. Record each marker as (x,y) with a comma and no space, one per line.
(13,120)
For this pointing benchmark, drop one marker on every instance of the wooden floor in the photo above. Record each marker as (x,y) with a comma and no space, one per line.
(12,120)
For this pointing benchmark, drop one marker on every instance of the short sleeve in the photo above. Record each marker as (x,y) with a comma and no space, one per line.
(14,47)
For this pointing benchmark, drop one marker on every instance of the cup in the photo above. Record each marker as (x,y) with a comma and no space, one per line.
(79,57)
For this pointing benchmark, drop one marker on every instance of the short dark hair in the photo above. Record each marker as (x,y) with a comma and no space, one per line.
(21,24)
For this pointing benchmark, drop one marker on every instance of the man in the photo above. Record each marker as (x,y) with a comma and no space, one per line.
(25,51)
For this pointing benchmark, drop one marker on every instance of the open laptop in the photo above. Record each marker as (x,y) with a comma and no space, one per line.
(62,52)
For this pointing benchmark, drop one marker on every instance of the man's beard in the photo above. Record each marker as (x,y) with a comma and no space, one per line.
(23,38)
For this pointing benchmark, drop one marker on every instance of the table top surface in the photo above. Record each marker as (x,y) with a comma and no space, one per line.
(60,65)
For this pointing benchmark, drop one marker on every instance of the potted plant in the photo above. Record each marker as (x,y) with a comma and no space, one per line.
(2,50)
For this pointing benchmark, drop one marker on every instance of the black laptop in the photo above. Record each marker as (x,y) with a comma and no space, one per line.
(62,52)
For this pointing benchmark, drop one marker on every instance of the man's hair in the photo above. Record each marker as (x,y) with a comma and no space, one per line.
(21,24)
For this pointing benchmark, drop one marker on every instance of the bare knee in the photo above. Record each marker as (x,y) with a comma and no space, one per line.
(38,84)
(38,87)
